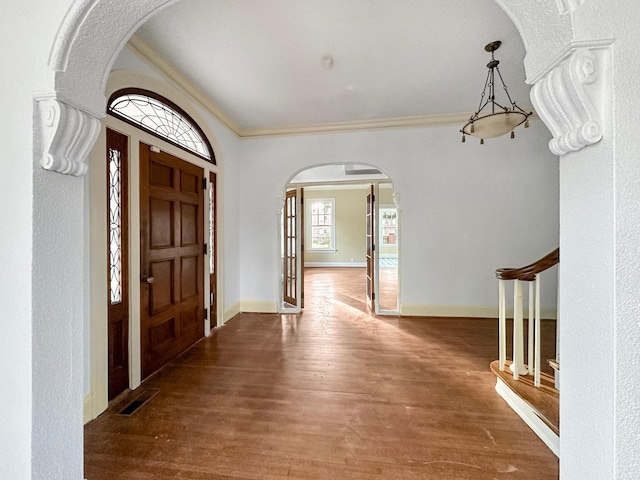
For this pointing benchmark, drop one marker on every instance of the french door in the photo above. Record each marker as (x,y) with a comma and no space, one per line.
(371,249)
(293,248)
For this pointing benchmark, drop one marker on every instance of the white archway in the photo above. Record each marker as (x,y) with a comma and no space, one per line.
(347,184)
(571,74)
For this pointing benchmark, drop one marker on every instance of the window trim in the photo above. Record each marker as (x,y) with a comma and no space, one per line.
(148,93)
(381,209)
(309,226)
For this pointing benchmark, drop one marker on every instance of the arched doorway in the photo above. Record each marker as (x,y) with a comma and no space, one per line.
(90,36)
(348,218)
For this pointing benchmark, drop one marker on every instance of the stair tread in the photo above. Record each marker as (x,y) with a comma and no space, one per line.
(545,400)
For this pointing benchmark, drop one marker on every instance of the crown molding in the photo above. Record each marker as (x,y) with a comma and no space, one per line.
(357,125)
(68,135)
(156,59)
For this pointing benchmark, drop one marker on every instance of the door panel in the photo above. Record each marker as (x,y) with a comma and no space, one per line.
(172,236)
(371,249)
(118,265)
(290,264)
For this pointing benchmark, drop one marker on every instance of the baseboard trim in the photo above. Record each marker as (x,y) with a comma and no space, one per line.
(258,306)
(335,264)
(473,311)
(526,412)
(231,312)
(87,408)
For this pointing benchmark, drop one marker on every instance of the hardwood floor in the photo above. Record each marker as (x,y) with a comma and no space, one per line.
(333,393)
(349,285)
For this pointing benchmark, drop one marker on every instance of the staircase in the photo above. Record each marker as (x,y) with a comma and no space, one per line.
(530,388)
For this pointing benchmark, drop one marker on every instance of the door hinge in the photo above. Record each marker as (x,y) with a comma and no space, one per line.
(205,249)
(373,247)
(373,296)
(373,198)
(204,183)
(206,314)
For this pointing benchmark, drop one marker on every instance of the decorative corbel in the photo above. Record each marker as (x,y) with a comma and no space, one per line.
(565,106)
(68,134)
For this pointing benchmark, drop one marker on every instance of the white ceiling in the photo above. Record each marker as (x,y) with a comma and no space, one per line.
(261,61)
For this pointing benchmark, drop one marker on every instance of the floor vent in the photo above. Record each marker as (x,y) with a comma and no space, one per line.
(135,405)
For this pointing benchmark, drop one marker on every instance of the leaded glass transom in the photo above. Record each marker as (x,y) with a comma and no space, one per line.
(161,118)
(115,226)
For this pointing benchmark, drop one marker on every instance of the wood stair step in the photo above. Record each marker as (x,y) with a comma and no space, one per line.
(545,400)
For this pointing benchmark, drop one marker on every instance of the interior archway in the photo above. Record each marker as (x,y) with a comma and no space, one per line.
(93,33)
(348,241)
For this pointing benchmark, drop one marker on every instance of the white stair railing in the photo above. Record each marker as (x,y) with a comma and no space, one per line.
(529,274)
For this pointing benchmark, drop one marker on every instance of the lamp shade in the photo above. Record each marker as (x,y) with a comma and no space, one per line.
(495,124)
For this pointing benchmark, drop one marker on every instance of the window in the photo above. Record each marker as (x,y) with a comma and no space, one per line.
(321,215)
(162,118)
(114,167)
(389,226)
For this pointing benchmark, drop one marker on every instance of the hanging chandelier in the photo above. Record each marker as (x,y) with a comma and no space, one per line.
(492,119)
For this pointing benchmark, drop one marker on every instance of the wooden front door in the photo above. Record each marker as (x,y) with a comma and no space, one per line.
(171,256)
(118,263)
(371,250)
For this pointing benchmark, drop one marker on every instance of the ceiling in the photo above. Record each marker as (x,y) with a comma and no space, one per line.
(263,63)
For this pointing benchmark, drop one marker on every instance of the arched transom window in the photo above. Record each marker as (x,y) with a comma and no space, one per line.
(162,118)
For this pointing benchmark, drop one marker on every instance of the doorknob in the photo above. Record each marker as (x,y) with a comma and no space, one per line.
(150,279)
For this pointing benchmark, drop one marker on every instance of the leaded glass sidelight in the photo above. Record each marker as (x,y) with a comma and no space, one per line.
(162,118)
(115,225)
(212,239)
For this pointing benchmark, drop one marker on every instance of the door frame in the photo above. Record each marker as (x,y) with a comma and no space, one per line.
(96,401)
(282,307)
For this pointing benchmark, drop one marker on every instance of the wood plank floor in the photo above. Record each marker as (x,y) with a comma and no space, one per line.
(333,393)
(349,285)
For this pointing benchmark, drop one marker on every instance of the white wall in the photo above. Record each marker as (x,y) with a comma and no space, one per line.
(601,269)
(28,313)
(466,209)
